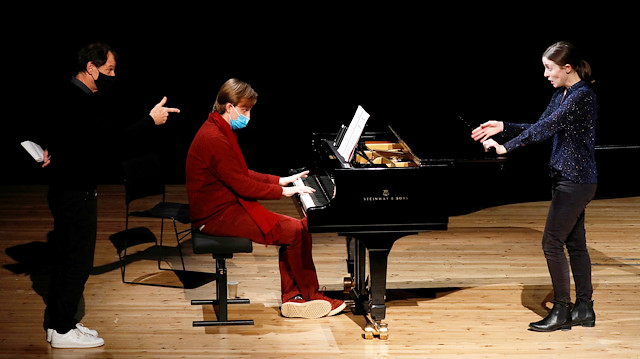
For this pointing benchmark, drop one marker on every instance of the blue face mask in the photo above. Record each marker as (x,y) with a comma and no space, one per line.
(240,122)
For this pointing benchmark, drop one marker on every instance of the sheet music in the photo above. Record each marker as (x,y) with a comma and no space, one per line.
(351,138)
(34,150)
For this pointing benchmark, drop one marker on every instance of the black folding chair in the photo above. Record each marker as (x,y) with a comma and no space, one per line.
(143,179)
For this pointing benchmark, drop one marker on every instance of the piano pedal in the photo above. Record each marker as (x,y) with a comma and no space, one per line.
(350,303)
(348,284)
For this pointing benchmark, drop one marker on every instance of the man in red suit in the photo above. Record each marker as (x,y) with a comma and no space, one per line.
(223,199)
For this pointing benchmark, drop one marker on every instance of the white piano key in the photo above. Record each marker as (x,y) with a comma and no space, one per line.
(305,198)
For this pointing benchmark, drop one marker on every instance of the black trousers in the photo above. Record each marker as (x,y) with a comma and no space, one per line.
(73,243)
(565,227)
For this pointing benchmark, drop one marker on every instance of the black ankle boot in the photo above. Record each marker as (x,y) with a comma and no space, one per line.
(558,318)
(583,314)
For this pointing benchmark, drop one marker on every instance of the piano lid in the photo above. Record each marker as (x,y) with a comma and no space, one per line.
(447,137)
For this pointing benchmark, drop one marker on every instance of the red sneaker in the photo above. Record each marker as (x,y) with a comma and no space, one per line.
(337,305)
(297,307)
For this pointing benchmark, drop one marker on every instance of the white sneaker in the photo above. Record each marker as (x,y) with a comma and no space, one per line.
(75,338)
(299,308)
(79,326)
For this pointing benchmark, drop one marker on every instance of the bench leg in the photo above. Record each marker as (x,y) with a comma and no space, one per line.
(221,302)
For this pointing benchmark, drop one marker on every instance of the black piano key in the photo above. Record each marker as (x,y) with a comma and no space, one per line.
(318,183)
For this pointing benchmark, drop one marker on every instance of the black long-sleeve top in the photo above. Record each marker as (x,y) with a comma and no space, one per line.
(85,137)
(571,119)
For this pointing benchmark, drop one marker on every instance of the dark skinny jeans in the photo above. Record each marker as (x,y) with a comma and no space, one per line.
(565,227)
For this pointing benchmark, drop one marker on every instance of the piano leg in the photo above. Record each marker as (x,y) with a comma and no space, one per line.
(378,282)
(356,285)
(351,244)
(369,298)
(349,281)
(360,267)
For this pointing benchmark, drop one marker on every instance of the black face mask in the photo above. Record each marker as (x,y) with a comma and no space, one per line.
(104,82)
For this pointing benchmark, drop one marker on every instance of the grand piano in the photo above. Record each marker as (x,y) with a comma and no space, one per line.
(394,188)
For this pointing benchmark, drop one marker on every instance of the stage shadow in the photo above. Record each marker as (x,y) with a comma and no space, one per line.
(133,237)
(34,259)
(539,298)
(405,297)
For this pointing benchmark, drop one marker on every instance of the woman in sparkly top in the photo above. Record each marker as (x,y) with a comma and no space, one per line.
(570,120)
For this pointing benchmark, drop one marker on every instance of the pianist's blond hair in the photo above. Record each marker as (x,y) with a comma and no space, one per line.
(232,91)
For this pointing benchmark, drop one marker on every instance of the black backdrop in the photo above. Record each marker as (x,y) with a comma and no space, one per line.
(311,68)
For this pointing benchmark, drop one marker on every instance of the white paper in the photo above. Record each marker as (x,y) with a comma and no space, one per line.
(34,150)
(351,138)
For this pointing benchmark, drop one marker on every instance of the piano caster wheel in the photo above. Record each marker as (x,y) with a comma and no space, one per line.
(381,330)
(368,331)
(348,284)
(384,331)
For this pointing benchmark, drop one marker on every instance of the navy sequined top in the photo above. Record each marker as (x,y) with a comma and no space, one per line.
(571,120)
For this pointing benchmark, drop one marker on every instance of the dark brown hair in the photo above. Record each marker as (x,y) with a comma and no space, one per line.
(563,53)
(97,53)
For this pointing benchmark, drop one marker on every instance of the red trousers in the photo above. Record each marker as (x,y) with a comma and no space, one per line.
(297,271)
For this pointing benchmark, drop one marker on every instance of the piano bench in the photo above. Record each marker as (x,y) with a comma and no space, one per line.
(221,248)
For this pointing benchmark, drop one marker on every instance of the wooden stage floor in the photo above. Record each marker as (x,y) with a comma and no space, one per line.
(468,291)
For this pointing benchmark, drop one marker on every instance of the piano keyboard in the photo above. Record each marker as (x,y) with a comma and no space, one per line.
(322,184)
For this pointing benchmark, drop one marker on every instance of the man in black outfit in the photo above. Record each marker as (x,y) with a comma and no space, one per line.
(74,142)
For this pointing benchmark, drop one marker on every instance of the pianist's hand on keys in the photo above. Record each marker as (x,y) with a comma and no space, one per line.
(298,188)
(285,181)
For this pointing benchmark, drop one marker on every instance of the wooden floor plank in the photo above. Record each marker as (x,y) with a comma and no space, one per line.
(470,290)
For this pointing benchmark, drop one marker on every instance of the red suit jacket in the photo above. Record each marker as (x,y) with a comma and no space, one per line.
(216,179)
